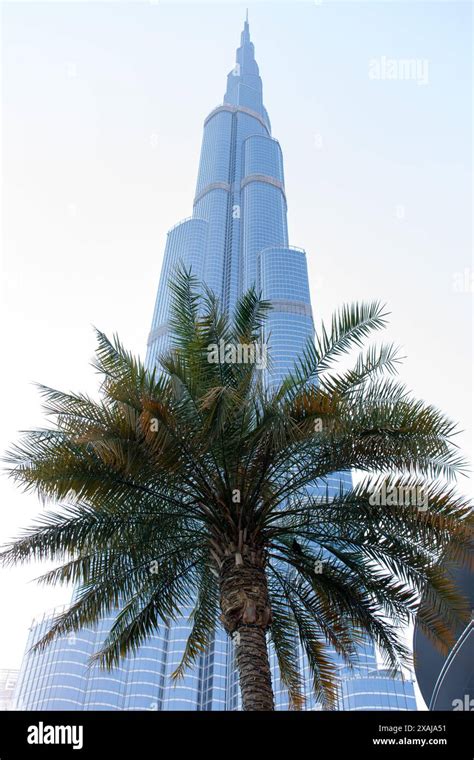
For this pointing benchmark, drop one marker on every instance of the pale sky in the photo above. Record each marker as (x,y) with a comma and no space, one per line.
(102,113)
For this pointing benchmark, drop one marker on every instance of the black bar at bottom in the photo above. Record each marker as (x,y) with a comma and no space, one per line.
(105,734)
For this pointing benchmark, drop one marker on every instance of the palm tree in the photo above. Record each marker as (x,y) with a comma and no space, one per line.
(202,484)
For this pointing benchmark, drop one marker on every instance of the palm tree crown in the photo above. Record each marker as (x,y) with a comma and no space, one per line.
(204,484)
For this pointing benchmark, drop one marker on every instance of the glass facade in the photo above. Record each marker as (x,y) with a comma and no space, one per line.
(368,687)
(61,678)
(236,237)
(377,690)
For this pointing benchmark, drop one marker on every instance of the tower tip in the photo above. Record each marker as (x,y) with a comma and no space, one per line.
(245,37)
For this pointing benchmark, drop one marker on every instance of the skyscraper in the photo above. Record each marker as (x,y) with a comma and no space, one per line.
(236,237)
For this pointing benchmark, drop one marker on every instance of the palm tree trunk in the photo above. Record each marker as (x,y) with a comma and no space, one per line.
(246,615)
(254,669)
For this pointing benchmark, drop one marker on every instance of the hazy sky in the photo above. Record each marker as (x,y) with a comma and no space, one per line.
(102,112)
